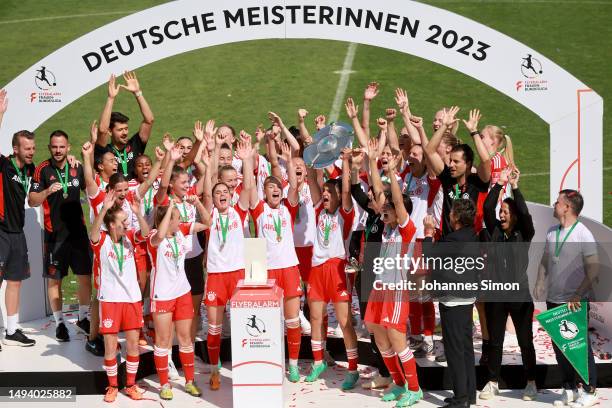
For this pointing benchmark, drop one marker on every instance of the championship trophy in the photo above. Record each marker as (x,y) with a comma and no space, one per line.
(327,145)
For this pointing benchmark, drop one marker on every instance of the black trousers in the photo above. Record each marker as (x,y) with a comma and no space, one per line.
(459,348)
(522,317)
(570,376)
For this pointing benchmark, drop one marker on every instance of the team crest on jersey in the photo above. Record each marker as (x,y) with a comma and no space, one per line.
(75,182)
(108,323)
(211,296)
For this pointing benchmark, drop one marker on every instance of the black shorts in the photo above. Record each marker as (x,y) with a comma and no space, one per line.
(14,263)
(194,269)
(75,254)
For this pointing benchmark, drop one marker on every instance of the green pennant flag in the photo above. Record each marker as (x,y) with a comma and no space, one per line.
(568,330)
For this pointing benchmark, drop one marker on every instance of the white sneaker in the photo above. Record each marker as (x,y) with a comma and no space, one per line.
(377,382)
(305,324)
(567,397)
(531,392)
(489,391)
(172,371)
(585,400)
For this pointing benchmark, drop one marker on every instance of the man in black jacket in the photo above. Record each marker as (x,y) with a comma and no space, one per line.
(508,252)
(456,306)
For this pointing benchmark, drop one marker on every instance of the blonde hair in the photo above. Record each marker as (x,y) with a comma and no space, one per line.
(504,142)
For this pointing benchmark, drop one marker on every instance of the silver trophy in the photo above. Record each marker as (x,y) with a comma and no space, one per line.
(327,145)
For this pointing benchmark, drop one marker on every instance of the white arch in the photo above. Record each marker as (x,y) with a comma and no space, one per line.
(573,111)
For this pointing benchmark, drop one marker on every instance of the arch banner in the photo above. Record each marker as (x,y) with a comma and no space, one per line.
(573,111)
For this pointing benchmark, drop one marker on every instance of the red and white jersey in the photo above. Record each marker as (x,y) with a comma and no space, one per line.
(116,284)
(188,215)
(100,182)
(97,202)
(331,233)
(168,279)
(422,192)
(228,255)
(147,208)
(305,220)
(398,241)
(385,179)
(280,248)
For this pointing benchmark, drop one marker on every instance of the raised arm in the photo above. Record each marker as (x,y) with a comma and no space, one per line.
(320,122)
(273,158)
(525,221)
(305,135)
(356,192)
(484,168)
(104,130)
(491,201)
(286,133)
(377,184)
(347,202)
(133,86)
(352,112)
(396,192)
(434,159)
(201,167)
(313,184)
(202,212)
(401,98)
(142,223)
(162,228)
(246,153)
(96,227)
(392,139)
(292,192)
(382,135)
(370,93)
(91,188)
(174,154)
(160,154)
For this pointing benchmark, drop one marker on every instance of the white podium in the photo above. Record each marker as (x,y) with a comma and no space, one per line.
(258,345)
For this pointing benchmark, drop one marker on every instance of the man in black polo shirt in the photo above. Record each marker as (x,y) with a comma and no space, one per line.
(457,179)
(125,149)
(15,173)
(58,187)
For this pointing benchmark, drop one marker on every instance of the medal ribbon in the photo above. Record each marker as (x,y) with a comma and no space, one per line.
(557,246)
(64,181)
(119,254)
(278,227)
(184,215)
(148,201)
(175,250)
(23,177)
(457,193)
(122,159)
(328,225)
(224,227)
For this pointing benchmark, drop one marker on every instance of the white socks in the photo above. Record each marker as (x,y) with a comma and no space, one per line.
(11,324)
(59,317)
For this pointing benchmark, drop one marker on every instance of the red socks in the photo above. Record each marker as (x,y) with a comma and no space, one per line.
(131,366)
(294,337)
(213,344)
(352,358)
(317,351)
(110,366)
(187,361)
(409,364)
(160,357)
(392,363)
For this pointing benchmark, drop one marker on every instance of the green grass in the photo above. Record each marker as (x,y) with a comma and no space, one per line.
(239,83)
